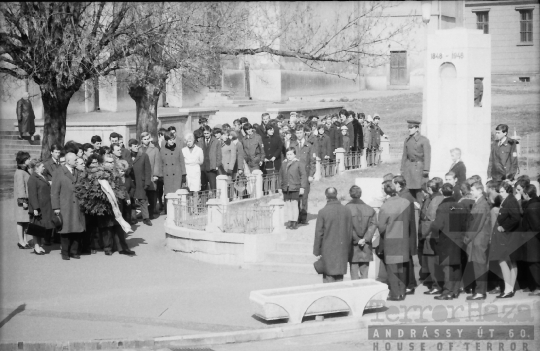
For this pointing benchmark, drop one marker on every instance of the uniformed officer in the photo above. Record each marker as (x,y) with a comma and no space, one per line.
(503,159)
(306,154)
(416,160)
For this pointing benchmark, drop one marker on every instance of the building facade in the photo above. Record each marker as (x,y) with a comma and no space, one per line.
(514,26)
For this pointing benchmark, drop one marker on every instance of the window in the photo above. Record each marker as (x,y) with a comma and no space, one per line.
(482,21)
(525,28)
(524,79)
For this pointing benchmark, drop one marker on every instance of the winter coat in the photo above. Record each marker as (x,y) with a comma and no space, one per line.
(394,228)
(50,167)
(375,134)
(531,231)
(478,232)
(193,160)
(367,136)
(292,143)
(212,153)
(25,117)
(415,160)
(253,151)
(293,176)
(239,164)
(272,148)
(449,228)
(333,237)
(63,198)
(364,223)
(141,174)
(228,156)
(427,216)
(173,168)
(346,143)
(507,243)
(358,135)
(336,138)
(305,155)
(461,173)
(39,198)
(154,157)
(20,191)
(351,135)
(503,160)
(323,146)
(413,238)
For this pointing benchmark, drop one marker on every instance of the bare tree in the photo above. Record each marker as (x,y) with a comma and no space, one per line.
(61,45)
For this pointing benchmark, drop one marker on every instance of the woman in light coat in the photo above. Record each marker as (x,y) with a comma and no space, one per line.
(228,153)
(193,158)
(20,195)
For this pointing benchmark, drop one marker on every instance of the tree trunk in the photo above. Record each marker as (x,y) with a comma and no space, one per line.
(54,111)
(146,101)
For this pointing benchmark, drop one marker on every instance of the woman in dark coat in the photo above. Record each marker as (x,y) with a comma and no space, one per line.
(294,180)
(272,150)
(504,241)
(531,237)
(39,204)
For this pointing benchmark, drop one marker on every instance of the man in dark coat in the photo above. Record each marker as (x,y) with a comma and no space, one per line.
(333,237)
(364,222)
(53,163)
(305,153)
(141,174)
(65,203)
(394,229)
(403,192)
(358,134)
(449,227)
(416,160)
(503,159)
(25,116)
(212,159)
(476,241)
(531,237)
(273,147)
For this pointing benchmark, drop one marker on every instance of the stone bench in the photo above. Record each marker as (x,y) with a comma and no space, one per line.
(296,302)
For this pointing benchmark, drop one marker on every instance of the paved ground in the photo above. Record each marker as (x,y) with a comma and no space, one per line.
(157,293)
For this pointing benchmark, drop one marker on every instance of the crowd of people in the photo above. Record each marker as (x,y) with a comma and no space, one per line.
(49,197)
(469,237)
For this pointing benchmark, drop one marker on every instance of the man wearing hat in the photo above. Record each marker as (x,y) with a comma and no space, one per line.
(416,160)
(203,121)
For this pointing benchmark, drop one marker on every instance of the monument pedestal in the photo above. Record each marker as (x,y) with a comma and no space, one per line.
(453,118)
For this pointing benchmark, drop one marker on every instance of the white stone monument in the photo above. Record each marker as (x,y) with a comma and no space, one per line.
(452,118)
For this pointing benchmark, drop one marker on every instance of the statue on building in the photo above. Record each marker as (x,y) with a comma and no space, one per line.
(478,91)
(25,116)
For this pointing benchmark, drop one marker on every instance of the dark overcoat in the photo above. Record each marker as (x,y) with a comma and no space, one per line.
(305,155)
(253,151)
(323,146)
(461,173)
(173,168)
(364,223)
(63,198)
(449,225)
(39,198)
(503,160)
(358,135)
(478,231)
(413,236)
(336,139)
(141,174)
(293,176)
(50,168)
(415,160)
(212,153)
(504,244)
(25,116)
(154,157)
(427,216)
(531,230)
(272,148)
(333,237)
(394,228)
